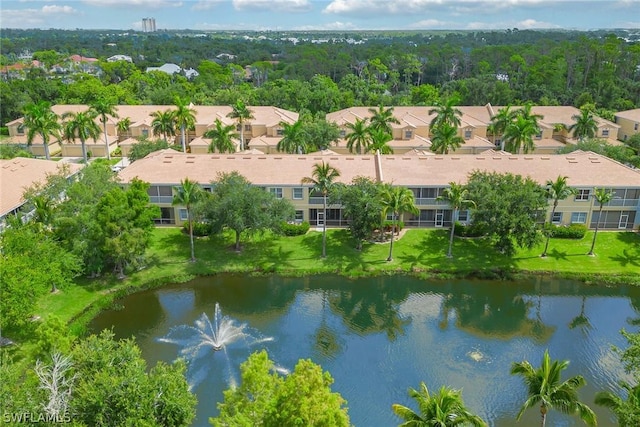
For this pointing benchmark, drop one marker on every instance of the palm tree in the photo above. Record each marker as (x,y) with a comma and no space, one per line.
(123,126)
(603,197)
(188,193)
(185,119)
(322,179)
(222,137)
(527,113)
(442,409)
(359,136)
(456,195)
(164,123)
(381,119)
(396,200)
(39,119)
(241,113)
(518,136)
(294,139)
(446,113)
(499,123)
(379,140)
(102,108)
(445,138)
(627,411)
(585,125)
(556,190)
(81,125)
(545,389)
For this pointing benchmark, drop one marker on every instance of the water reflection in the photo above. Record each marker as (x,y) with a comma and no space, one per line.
(504,314)
(380,336)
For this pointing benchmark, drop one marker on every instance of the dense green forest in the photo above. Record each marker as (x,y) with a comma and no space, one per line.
(323,72)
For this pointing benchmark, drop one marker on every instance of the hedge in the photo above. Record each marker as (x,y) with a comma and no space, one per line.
(289,229)
(573,231)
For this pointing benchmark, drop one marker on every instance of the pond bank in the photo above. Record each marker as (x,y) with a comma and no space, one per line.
(418,253)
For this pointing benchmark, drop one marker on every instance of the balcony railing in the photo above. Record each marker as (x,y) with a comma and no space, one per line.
(430,201)
(161,199)
(624,202)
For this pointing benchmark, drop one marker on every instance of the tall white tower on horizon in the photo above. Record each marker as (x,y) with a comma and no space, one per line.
(149,25)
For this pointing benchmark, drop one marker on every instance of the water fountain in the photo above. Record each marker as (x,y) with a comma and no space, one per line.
(207,337)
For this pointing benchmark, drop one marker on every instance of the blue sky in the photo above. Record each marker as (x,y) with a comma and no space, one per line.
(321,14)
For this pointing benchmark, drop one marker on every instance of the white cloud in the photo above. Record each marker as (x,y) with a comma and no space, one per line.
(406,7)
(332,26)
(58,10)
(206,4)
(427,24)
(379,6)
(272,5)
(148,4)
(529,24)
(31,18)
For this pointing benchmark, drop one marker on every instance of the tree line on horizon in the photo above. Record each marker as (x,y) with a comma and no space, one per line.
(501,68)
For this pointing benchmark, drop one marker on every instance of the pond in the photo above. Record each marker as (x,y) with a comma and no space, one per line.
(379,336)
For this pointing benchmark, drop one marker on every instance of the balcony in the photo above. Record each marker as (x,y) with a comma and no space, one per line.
(624,202)
(430,201)
(161,199)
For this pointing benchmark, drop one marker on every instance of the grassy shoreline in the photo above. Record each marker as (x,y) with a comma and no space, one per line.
(419,252)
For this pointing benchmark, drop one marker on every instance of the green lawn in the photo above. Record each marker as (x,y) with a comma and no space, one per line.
(418,250)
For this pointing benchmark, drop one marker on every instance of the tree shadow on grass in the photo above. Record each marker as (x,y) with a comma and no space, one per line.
(469,254)
(631,253)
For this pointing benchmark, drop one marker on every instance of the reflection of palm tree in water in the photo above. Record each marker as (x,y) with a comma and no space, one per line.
(635,303)
(326,340)
(581,320)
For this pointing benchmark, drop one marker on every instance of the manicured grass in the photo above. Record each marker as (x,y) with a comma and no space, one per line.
(420,251)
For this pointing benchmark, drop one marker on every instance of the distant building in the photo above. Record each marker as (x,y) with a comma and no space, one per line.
(115,58)
(149,25)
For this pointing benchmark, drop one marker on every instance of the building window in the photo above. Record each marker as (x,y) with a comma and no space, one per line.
(298,193)
(539,135)
(299,216)
(578,217)
(183,214)
(467,133)
(20,130)
(145,133)
(635,126)
(583,194)
(280,132)
(343,133)
(463,216)
(247,127)
(557,218)
(408,134)
(276,191)
(605,132)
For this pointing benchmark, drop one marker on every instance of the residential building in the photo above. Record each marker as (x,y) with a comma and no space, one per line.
(629,122)
(426,175)
(19,174)
(265,123)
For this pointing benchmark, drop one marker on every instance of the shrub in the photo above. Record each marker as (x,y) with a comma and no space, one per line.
(389,224)
(573,231)
(200,229)
(468,230)
(292,229)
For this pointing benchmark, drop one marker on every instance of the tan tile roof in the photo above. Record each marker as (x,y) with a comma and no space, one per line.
(19,174)
(630,114)
(167,167)
(582,168)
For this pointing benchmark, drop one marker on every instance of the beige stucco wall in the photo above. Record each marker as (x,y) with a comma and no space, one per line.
(627,128)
